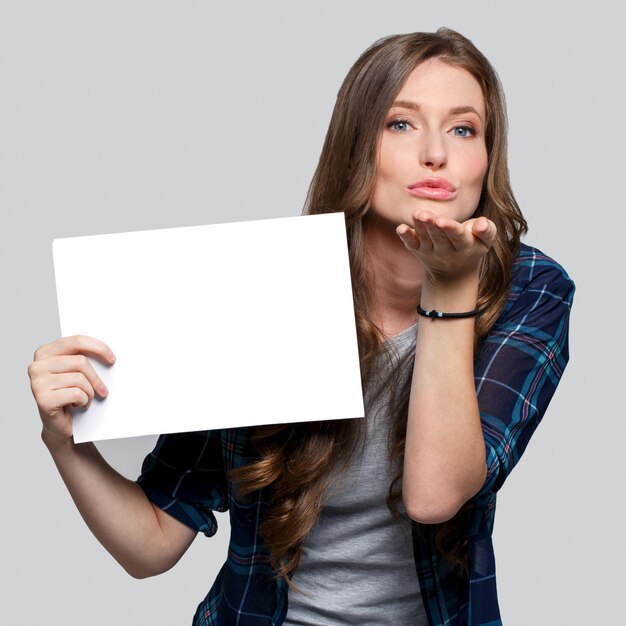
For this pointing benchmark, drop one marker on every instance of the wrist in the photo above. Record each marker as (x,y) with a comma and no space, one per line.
(56,443)
(450,295)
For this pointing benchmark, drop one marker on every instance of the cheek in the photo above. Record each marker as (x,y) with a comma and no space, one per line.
(387,169)
(478,170)
(386,164)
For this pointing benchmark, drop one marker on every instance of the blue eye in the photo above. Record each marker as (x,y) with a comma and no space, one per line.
(399,125)
(463,131)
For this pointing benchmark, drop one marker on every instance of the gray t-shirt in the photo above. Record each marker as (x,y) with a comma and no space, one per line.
(357,562)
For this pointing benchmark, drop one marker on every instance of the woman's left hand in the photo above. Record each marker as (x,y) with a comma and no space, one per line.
(448,249)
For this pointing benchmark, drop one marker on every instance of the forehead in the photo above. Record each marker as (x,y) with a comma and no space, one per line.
(437,84)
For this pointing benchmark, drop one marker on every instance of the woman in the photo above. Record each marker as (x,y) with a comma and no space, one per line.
(462,336)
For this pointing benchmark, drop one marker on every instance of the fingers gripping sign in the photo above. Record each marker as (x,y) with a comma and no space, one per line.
(61,376)
(448,249)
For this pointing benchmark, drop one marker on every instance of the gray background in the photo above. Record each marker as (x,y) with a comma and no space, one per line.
(131,115)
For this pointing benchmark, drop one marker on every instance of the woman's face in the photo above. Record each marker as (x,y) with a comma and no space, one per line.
(432,153)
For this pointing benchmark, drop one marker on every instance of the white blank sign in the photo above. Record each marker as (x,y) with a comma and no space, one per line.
(215,326)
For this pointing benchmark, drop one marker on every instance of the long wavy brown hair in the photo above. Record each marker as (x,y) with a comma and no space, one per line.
(295,462)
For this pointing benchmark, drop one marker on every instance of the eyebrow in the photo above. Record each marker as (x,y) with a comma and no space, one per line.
(407,104)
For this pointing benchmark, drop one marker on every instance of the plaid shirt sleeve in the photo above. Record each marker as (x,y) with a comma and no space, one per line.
(184,476)
(520,363)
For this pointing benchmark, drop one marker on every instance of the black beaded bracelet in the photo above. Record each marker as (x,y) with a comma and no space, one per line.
(439,315)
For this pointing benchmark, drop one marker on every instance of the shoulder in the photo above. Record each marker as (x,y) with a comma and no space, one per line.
(532,264)
(537,277)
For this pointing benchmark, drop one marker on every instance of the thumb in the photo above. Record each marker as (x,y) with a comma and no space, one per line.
(484,230)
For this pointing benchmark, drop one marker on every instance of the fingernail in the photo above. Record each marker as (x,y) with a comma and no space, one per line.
(103,390)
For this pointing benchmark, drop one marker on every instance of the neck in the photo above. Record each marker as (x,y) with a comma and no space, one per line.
(395,278)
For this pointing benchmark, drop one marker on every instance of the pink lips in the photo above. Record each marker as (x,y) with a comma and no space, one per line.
(433,189)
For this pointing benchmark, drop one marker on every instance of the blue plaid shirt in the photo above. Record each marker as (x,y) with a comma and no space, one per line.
(517,368)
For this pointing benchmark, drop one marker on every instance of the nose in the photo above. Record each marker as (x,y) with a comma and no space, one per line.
(433,151)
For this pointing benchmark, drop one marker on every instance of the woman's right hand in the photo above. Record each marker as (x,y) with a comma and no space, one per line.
(62,376)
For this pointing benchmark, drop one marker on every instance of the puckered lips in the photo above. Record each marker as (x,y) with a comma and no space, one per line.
(433,188)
